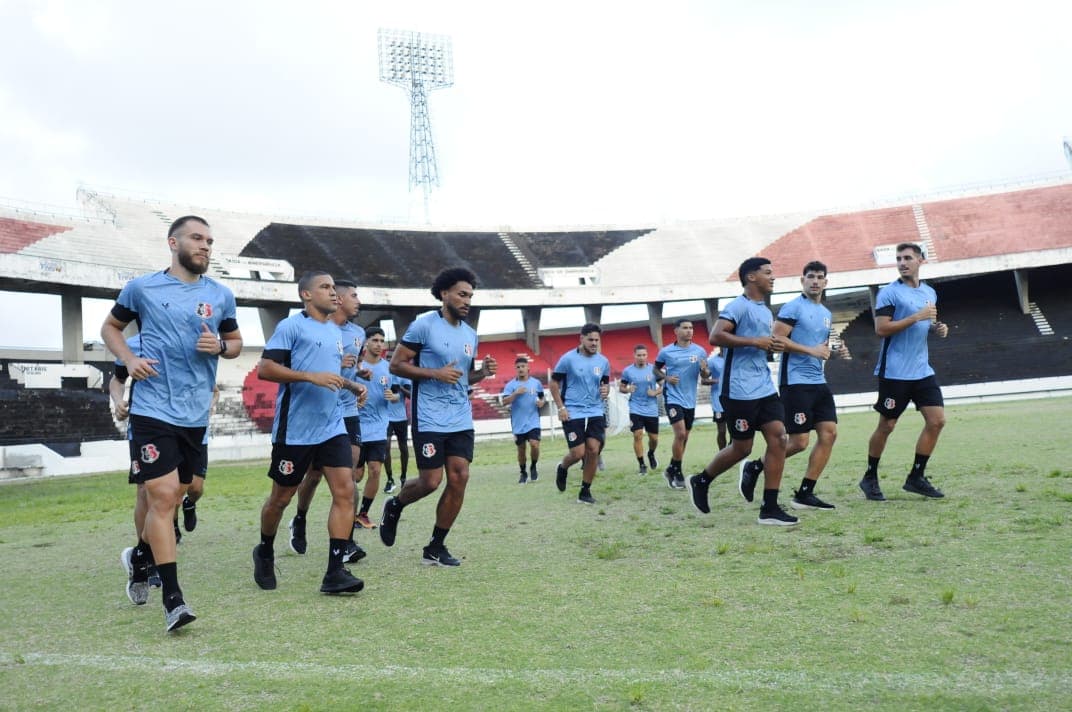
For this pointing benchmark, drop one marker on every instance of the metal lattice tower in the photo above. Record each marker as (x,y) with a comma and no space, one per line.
(419,63)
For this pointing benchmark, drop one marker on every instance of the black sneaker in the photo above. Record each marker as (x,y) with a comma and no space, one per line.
(392,510)
(263,570)
(177,617)
(560,478)
(389,487)
(523,479)
(643,469)
(698,492)
(808,500)
(189,514)
(671,477)
(340,581)
(137,577)
(178,534)
(533,474)
(776,516)
(871,490)
(652,462)
(750,471)
(353,553)
(585,497)
(679,480)
(919,484)
(438,556)
(297,536)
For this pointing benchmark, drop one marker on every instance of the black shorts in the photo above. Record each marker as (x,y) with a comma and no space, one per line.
(675,412)
(745,417)
(894,395)
(806,405)
(157,448)
(397,428)
(375,451)
(291,462)
(353,429)
(202,467)
(433,449)
(523,438)
(648,423)
(580,429)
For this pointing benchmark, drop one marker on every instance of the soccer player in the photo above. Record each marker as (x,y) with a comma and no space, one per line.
(716,364)
(438,353)
(373,422)
(640,382)
(579,385)
(187,321)
(398,427)
(803,325)
(748,395)
(353,341)
(681,365)
(304,356)
(906,312)
(525,397)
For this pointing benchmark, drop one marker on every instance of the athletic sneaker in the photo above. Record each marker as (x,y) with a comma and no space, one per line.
(671,478)
(652,462)
(154,577)
(340,581)
(698,491)
(523,479)
(533,474)
(919,484)
(750,470)
(392,510)
(297,536)
(362,520)
(871,490)
(438,556)
(178,534)
(679,480)
(177,617)
(643,469)
(585,497)
(560,478)
(353,553)
(137,578)
(263,570)
(776,516)
(389,487)
(808,500)
(189,514)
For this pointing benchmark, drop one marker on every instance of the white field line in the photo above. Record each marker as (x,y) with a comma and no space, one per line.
(1013,681)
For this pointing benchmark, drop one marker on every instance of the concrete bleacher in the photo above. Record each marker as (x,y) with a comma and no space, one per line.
(572,248)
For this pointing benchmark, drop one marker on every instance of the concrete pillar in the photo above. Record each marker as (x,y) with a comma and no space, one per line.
(593,313)
(402,318)
(655,323)
(1022,289)
(872,292)
(710,314)
(270,318)
(474,317)
(71,316)
(530,318)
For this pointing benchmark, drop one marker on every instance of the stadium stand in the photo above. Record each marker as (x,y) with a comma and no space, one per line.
(16,235)
(573,248)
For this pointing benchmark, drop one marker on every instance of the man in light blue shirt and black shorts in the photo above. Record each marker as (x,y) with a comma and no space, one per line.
(643,386)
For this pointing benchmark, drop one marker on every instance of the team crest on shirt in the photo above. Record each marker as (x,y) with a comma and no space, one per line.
(741,425)
(468,349)
(571,437)
(383,380)
(826,322)
(149,454)
(428,450)
(598,370)
(692,359)
(800,418)
(338,345)
(286,467)
(204,310)
(889,404)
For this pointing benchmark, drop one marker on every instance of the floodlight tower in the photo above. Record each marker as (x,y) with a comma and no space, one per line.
(419,63)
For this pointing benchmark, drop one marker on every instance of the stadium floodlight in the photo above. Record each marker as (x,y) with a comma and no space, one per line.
(419,63)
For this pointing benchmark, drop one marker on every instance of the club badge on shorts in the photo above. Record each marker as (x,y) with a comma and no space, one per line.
(286,467)
(149,454)
(428,450)
(800,418)
(741,425)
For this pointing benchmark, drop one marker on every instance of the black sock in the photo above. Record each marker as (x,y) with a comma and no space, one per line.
(300,514)
(336,548)
(366,502)
(704,477)
(770,498)
(438,535)
(268,545)
(586,488)
(651,452)
(534,461)
(919,467)
(523,470)
(169,583)
(872,467)
(641,461)
(675,465)
(142,554)
(806,486)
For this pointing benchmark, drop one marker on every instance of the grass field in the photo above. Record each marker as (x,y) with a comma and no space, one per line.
(638,602)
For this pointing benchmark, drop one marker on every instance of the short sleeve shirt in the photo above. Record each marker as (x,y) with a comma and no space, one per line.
(524,413)
(579,378)
(441,407)
(747,376)
(810,323)
(643,377)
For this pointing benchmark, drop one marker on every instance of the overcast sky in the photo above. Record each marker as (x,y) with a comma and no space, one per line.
(562,112)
